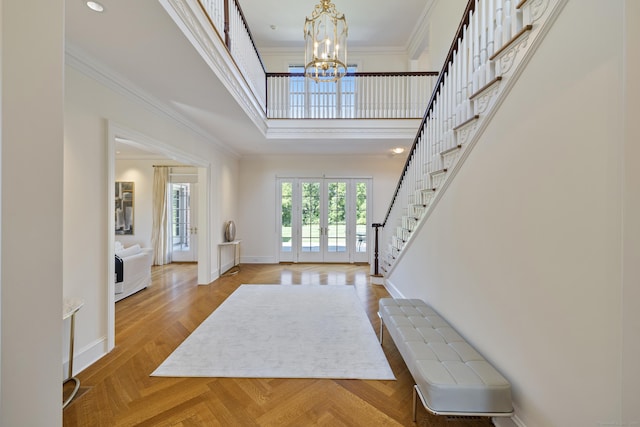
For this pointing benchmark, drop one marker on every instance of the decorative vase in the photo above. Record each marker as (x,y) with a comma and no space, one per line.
(229,231)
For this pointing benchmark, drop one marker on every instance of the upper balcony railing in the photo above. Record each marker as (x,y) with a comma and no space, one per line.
(403,95)
(355,96)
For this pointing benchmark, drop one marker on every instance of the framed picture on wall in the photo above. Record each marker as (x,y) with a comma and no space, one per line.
(124,207)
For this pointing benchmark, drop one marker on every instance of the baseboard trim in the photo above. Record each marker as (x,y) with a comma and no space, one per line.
(392,289)
(258,260)
(86,357)
(512,421)
(377,280)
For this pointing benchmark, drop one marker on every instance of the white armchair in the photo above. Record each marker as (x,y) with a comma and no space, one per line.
(136,269)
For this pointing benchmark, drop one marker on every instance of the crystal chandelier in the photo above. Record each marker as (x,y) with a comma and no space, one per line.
(325,37)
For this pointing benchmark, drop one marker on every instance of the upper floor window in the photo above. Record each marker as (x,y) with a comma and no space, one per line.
(322,100)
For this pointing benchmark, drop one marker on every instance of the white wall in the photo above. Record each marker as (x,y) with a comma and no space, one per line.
(89,107)
(631,213)
(523,254)
(442,24)
(278,61)
(31,85)
(258,192)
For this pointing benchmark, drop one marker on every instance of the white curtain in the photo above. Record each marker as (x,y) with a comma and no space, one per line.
(160,235)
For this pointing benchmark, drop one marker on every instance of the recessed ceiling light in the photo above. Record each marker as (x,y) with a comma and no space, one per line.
(397,150)
(95,6)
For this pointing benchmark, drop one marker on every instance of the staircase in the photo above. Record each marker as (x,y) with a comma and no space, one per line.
(494,42)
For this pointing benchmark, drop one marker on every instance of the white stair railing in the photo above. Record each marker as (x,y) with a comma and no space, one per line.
(488,52)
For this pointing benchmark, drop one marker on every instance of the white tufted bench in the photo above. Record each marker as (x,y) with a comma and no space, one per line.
(451,377)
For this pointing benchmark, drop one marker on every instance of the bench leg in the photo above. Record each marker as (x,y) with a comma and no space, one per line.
(381,324)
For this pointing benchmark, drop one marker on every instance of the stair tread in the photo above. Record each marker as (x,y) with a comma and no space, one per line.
(438,172)
(466,122)
(450,150)
(485,87)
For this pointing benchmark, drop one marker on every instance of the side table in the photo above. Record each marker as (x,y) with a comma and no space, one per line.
(69,309)
(236,257)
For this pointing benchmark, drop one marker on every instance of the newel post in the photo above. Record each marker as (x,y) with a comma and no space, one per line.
(375,251)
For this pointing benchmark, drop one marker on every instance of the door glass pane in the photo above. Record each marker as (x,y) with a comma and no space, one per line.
(180,199)
(285,221)
(310,217)
(361,217)
(336,217)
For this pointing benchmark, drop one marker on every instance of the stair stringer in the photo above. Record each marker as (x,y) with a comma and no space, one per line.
(512,61)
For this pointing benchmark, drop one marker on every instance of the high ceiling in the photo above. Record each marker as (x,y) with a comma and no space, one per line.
(379,24)
(137,44)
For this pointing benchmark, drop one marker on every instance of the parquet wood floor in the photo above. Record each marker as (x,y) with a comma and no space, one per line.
(118,390)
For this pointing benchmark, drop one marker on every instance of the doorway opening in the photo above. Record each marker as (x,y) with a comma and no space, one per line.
(184,220)
(142,153)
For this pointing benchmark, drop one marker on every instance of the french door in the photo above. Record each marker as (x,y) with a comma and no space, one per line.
(184,223)
(324,219)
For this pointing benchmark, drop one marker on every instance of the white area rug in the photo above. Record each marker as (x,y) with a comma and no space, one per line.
(283,331)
